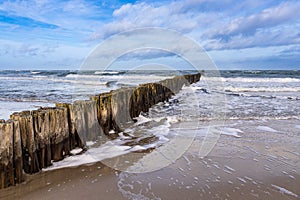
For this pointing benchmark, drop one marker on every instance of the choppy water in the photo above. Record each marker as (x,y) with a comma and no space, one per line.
(256,94)
(249,94)
(20,90)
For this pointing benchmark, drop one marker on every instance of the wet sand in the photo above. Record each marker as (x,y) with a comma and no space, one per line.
(263,163)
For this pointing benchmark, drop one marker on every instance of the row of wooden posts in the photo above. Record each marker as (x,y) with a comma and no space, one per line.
(32,140)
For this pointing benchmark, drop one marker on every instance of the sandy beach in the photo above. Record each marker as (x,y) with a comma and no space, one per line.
(260,161)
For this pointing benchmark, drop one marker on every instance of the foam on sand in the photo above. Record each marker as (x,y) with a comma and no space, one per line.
(107,150)
(285,191)
(266,128)
(116,147)
(231,132)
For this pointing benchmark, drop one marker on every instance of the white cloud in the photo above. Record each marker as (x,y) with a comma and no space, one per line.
(284,35)
(26,49)
(177,15)
(214,29)
(40,55)
(283,13)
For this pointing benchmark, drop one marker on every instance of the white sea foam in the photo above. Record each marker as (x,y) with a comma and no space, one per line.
(262,89)
(141,120)
(231,132)
(126,187)
(107,150)
(77,76)
(81,82)
(285,191)
(90,143)
(229,168)
(122,76)
(41,76)
(76,151)
(34,72)
(124,79)
(21,78)
(242,180)
(107,72)
(266,128)
(252,80)
(139,147)
(75,79)
(297,126)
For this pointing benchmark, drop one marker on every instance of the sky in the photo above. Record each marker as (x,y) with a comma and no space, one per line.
(61,34)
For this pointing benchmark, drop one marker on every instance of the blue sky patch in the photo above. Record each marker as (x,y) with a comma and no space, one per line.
(236,34)
(25,22)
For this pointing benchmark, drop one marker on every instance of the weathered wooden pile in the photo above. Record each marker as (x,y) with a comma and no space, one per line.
(32,140)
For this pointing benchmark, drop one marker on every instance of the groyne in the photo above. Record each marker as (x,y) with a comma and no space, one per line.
(32,140)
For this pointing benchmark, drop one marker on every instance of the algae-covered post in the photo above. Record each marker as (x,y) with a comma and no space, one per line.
(10,154)
(29,153)
(85,122)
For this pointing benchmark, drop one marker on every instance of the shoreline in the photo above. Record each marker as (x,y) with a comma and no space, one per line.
(260,164)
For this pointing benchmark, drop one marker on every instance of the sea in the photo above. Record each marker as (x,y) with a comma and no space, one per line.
(218,96)
(249,94)
(250,111)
